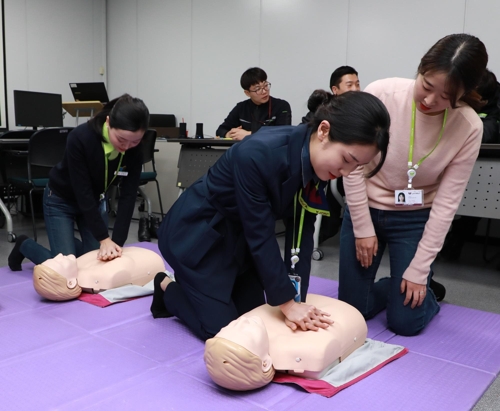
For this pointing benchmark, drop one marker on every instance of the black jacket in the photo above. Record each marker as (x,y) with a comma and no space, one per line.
(229,214)
(251,117)
(79,178)
(490,115)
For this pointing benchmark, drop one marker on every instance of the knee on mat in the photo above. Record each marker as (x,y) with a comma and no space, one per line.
(405,326)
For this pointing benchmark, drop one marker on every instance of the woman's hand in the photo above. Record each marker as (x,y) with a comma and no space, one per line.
(366,249)
(305,316)
(109,250)
(414,293)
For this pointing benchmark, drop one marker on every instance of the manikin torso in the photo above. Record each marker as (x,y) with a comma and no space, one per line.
(136,266)
(308,354)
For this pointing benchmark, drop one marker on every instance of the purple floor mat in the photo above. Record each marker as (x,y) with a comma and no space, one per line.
(74,355)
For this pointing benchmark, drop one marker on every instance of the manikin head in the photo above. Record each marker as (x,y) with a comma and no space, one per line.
(56,279)
(238,357)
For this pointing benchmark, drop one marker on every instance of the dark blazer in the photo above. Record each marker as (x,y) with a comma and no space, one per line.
(79,179)
(224,223)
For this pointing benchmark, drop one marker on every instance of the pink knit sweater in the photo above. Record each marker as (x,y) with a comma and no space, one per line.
(443,175)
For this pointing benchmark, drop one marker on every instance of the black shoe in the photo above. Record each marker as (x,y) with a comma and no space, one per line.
(144,229)
(16,257)
(158,306)
(154,225)
(438,289)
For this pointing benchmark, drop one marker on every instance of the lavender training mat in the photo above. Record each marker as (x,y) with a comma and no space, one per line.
(73,355)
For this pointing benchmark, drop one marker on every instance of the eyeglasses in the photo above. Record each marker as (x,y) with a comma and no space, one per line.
(261,89)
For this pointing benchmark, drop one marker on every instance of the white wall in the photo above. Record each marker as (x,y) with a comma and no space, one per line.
(50,43)
(186,56)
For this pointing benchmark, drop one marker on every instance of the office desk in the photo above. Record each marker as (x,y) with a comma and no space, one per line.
(197,155)
(9,143)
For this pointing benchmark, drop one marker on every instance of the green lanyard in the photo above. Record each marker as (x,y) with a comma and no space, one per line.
(296,250)
(412,168)
(106,172)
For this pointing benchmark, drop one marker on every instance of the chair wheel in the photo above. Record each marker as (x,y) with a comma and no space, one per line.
(11,238)
(317,254)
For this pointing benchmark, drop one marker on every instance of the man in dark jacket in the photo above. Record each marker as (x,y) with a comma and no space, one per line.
(259,110)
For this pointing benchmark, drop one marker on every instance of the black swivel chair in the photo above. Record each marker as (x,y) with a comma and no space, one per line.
(162,120)
(45,149)
(148,150)
(16,166)
(148,225)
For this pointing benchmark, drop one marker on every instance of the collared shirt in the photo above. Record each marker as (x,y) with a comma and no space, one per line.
(308,173)
(109,150)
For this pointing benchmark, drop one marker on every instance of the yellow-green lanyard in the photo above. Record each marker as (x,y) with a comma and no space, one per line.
(412,168)
(296,250)
(106,172)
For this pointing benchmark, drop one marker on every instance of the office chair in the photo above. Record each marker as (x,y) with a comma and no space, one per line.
(45,149)
(162,120)
(148,150)
(15,167)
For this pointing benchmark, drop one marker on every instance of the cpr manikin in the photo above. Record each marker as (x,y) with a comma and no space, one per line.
(65,277)
(245,354)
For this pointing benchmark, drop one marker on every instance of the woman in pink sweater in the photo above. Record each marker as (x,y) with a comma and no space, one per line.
(435,139)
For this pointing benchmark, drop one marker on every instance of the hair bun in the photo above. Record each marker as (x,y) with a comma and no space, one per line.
(317,98)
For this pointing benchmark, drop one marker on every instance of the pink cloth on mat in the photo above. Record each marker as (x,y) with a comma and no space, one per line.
(323,387)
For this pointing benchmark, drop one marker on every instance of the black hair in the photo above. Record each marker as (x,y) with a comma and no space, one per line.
(254,75)
(463,58)
(355,117)
(125,112)
(340,72)
(487,86)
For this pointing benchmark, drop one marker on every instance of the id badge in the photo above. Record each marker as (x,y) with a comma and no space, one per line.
(121,173)
(103,205)
(408,197)
(295,279)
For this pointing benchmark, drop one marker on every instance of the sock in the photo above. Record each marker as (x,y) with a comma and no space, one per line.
(158,306)
(15,256)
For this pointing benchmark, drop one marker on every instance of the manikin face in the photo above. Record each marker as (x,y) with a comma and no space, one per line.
(251,334)
(348,82)
(259,93)
(66,266)
(333,159)
(122,140)
(430,94)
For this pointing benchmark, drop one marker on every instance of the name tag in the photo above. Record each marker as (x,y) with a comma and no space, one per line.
(408,197)
(122,173)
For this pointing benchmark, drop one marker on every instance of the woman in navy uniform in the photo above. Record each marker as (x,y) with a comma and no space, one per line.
(219,236)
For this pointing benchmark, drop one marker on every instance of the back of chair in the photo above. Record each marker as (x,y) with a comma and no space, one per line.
(47,146)
(162,120)
(148,145)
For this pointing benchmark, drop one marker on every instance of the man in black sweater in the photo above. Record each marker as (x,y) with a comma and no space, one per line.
(259,110)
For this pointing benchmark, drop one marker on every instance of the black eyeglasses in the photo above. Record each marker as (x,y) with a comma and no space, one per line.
(261,89)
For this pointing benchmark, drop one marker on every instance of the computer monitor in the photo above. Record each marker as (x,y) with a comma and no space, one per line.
(34,109)
(89,92)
